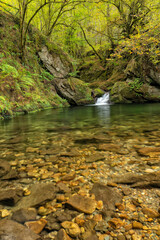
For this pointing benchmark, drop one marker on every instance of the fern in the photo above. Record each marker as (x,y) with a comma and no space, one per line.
(9,70)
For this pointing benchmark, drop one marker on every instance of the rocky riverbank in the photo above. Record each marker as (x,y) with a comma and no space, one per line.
(47,78)
(101,187)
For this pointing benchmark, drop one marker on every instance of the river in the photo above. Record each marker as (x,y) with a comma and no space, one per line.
(68,126)
(76,155)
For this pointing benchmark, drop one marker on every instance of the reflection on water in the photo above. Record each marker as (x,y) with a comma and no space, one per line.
(77,122)
(103,114)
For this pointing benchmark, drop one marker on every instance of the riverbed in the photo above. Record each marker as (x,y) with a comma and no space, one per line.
(84,146)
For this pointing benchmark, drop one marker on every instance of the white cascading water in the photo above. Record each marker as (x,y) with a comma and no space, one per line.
(104,100)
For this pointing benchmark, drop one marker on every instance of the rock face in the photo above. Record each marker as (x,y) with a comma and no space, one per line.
(141,83)
(56,62)
(13,230)
(75,91)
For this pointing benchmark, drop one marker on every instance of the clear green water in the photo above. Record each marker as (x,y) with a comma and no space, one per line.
(66,126)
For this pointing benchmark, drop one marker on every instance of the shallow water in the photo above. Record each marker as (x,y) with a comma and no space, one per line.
(71,127)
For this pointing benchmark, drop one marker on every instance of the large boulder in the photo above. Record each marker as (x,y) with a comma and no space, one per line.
(75,91)
(125,92)
(121,93)
(140,82)
(56,62)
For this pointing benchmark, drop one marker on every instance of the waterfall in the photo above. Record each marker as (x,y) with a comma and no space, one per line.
(104,100)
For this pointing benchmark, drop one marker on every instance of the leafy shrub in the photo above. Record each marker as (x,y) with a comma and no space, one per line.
(136,84)
(9,70)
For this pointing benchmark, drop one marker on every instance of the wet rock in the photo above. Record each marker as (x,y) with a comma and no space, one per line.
(90,224)
(24,215)
(128,227)
(40,193)
(68,177)
(62,235)
(120,206)
(131,207)
(121,237)
(4,168)
(137,225)
(71,228)
(95,157)
(137,236)
(89,235)
(139,180)
(128,178)
(90,140)
(151,213)
(149,151)
(12,174)
(108,195)
(97,218)
(126,191)
(111,184)
(82,204)
(71,153)
(43,211)
(99,205)
(36,226)
(13,230)
(137,202)
(60,198)
(32,150)
(64,216)
(49,152)
(101,226)
(109,147)
(11,196)
(115,223)
(52,223)
(4,213)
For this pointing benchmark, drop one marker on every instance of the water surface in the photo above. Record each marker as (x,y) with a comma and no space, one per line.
(64,127)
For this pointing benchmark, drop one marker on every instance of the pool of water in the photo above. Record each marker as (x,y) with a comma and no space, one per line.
(79,127)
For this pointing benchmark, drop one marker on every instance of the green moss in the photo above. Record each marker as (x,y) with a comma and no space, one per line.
(83,92)
(5,107)
(98,92)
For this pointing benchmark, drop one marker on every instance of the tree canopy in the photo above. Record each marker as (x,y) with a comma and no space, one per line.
(80,26)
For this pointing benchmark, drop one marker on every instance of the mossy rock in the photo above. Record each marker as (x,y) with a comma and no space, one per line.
(121,93)
(98,92)
(75,91)
(82,93)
